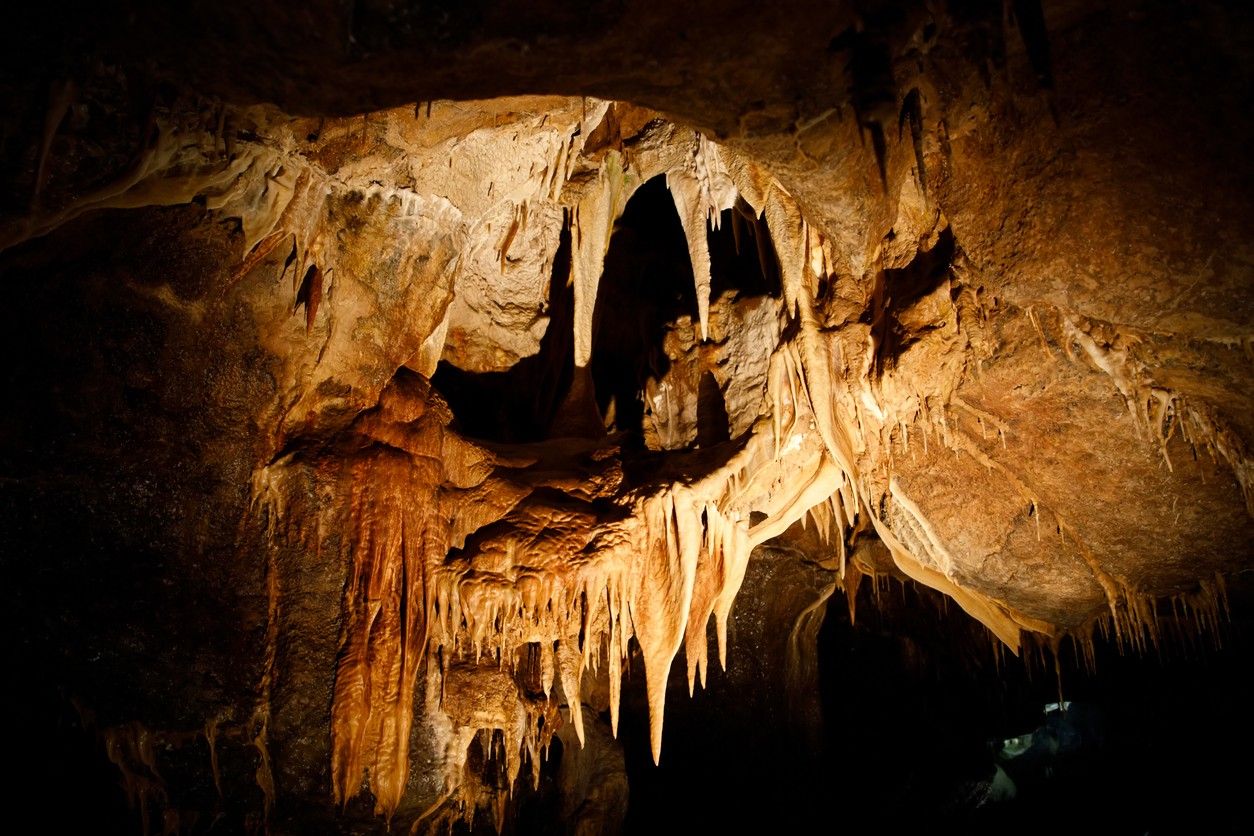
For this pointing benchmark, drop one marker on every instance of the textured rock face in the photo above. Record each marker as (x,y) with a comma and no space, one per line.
(365,452)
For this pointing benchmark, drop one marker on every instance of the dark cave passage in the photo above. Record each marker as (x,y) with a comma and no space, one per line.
(646,290)
(1144,744)
(518,405)
(920,727)
(901,289)
(646,287)
(742,255)
(647,294)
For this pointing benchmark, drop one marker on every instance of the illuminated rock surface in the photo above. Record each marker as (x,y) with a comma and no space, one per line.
(370,436)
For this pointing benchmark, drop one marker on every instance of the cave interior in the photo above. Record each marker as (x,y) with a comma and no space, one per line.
(538,418)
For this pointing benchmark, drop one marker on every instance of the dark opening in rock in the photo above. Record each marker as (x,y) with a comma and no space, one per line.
(519,404)
(646,287)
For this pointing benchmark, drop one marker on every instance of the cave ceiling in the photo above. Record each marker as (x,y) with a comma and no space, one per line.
(454,350)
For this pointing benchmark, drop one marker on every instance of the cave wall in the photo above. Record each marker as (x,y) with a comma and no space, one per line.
(1012,330)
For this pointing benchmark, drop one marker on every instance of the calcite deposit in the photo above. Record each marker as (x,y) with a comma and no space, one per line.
(443,365)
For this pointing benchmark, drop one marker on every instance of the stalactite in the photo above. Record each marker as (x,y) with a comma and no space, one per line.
(171,170)
(131,749)
(912,113)
(1157,411)
(264,774)
(507,606)
(211,740)
(260,721)
(592,221)
(701,189)
(394,511)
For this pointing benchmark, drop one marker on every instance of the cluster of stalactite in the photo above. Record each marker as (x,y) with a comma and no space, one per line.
(568,565)
(486,582)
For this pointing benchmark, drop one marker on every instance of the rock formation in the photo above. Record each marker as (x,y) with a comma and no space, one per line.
(389,380)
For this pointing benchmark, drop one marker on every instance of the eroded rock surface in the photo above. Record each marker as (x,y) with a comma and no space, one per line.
(449,407)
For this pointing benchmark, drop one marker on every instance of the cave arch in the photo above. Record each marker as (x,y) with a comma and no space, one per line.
(646,286)
(647,348)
